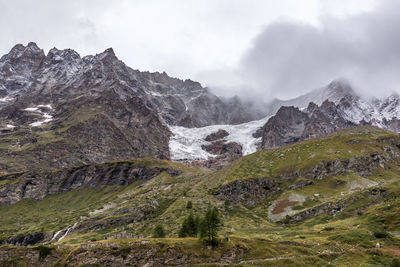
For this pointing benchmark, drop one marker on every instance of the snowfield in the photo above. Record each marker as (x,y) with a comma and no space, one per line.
(185,144)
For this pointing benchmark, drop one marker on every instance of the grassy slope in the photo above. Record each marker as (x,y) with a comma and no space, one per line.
(349,235)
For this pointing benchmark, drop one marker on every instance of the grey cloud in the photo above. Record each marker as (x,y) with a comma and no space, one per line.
(289,58)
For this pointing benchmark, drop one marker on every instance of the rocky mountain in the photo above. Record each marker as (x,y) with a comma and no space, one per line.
(341,108)
(95,109)
(322,111)
(354,107)
(62,73)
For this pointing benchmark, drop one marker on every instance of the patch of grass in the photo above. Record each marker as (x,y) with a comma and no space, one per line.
(354,238)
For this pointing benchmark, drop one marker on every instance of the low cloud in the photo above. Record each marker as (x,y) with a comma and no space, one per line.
(289,58)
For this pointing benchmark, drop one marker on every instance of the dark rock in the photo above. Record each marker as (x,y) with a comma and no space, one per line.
(291,125)
(38,185)
(25,240)
(250,192)
(138,214)
(333,208)
(220,147)
(220,134)
(300,184)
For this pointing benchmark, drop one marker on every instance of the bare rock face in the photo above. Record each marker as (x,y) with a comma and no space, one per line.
(291,125)
(250,192)
(286,127)
(221,147)
(220,134)
(226,153)
(32,185)
(25,240)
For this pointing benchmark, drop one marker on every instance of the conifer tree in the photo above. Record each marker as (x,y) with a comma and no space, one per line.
(189,227)
(210,225)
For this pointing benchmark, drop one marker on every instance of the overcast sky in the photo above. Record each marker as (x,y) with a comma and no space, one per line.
(264,48)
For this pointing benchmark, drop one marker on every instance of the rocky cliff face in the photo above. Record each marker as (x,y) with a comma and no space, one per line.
(33,185)
(291,125)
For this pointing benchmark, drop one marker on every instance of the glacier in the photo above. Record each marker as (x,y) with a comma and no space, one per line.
(185,144)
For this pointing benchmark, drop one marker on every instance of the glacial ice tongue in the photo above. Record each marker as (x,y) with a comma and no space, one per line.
(185,144)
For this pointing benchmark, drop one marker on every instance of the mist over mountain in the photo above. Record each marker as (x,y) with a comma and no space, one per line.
(289,58)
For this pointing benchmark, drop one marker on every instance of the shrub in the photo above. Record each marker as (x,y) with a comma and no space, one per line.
(395,263)
(43,251)
(381,234)
(158,231)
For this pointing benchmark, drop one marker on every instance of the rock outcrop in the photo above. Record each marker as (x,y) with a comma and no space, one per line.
(220,134)
(250,192)
(332,208)
(36,186)
(140,253)
(25,240)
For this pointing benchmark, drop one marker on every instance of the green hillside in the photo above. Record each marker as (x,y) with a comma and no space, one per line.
(323,202)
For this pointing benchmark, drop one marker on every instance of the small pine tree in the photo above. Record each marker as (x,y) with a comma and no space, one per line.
(183,232)
(197,221)
(189,205)
(158,231)
(189,227)
(210,225)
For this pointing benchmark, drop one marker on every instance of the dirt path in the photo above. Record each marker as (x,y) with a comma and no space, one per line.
(275,258)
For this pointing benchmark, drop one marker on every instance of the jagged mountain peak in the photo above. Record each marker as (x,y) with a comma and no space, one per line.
(19,50)
(108,53)
(334,92)
(340,86)
(64,54)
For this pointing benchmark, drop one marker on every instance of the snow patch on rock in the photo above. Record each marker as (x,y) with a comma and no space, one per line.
(46,116)
(6,99)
